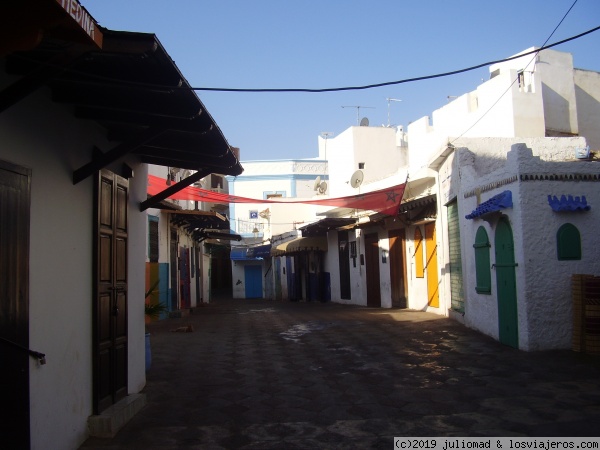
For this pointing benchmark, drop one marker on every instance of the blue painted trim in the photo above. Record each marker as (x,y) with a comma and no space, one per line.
(568,203)
(494,204)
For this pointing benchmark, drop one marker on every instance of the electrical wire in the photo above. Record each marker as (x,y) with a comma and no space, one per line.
(119,82)
(406,80)
(535,52)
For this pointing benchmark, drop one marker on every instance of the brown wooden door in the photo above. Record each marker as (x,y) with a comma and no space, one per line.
(110,296)
(344,265)
(398,268)
(372,268)
(174,262)
(14,305)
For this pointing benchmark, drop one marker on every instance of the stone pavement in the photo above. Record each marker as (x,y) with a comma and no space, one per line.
(258,374)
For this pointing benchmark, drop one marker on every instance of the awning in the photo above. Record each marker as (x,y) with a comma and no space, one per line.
(127,83)
(198,220)
(251,253)
(304,244)
(238,254)
(494,204)
(321,227)
(419,210)
(281,249)
(261,251)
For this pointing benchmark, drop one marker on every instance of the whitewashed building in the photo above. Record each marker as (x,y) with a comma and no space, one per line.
(74,155)
(265,225)
(505,155)
(513,154)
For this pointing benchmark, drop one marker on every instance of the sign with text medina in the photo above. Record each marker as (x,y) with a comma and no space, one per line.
(82,19)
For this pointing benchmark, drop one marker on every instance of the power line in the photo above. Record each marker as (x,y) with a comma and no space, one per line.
(390,83)
(536,52)
(347,88)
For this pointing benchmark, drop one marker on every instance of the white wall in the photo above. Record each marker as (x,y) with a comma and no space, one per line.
(543,282)
(60,296)
(587,92)
(375,147)
(239,279)
(295,178)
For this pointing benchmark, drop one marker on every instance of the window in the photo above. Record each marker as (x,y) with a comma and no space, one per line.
(273,194)
(568,242)
(483,274)
(455,259)
(153,238)
(419,267)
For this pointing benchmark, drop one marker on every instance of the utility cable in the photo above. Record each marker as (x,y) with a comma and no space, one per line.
(390,83)
(535,52)
(119,82)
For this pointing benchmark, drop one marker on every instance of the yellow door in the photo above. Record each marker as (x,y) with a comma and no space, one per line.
(433,293)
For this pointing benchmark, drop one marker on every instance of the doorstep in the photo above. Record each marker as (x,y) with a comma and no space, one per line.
(110,421)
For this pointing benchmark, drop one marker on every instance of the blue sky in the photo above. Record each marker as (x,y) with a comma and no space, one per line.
(337,43)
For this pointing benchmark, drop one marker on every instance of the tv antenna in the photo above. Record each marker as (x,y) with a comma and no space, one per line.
(325,135)
(358,111)
(389,100)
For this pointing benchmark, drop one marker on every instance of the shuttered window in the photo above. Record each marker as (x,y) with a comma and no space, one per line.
(456,276)
(419,266)
(568,242)
(153,238)
(482,262)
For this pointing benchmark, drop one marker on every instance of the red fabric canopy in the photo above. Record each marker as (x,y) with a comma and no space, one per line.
(385,201)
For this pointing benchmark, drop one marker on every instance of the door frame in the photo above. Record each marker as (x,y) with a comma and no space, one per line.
(431,266)
(398,283)
(14,327)
(253,281)
(109,299)
(372,269)
(344,265)
(506,284)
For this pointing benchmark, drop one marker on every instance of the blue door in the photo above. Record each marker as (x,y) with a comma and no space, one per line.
(253,280)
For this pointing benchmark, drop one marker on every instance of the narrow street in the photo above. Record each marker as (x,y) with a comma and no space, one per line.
(258,374)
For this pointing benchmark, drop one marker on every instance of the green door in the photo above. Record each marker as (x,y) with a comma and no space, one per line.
(506,285)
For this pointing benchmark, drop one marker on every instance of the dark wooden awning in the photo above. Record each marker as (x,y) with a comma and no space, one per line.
(129,85)
(321,227)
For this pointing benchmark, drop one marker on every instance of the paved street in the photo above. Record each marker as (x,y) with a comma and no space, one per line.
(258,374)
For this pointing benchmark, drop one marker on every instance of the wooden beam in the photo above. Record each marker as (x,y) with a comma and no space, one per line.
(156,199)
(117,152)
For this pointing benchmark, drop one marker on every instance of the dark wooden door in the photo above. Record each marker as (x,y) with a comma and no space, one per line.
(110,286)
(184,278)
(372,268)
(173,246)
(14,304)
(344,265)
(398,268)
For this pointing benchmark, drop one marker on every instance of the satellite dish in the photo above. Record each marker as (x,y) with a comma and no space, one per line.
(357,178)
(364,122)
(322,187)
(317,183)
